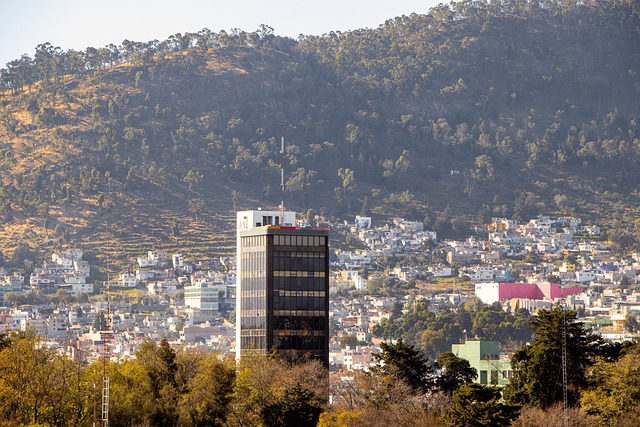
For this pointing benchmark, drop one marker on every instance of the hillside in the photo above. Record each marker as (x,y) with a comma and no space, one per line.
(468,112)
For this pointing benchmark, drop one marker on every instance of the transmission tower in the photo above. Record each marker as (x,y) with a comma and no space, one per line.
(107,335)
(565,399)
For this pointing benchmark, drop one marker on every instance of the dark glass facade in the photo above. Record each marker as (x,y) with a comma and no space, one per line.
(284,291)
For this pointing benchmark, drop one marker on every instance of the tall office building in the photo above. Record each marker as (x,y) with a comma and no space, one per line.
(282,294)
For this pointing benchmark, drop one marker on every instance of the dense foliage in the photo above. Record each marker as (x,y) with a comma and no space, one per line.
(434,333)
(515,108)
(161,387)
(166,387)
(404,363)
(477,406)
(538,367)
(456,371)
(614,392)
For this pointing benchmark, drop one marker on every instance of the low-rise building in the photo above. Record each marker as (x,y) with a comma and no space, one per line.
(484,356)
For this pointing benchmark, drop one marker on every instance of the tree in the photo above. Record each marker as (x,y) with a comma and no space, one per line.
(234,198)
(456,371)
(554,416)
(300,181)
(207,403)
(553,278)
(196,207)
(38,386)
(614,391)
(130,394)
(475,405)
(175,229)
(262,381)
(347,177)
(62,296)
(22,253)
(537,368)
(350,340)
(369,400)
(484,167)
(193,177)
(160,365)
(296,408)
(402,361)
(631,324)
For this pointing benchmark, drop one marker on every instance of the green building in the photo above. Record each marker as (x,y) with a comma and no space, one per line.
(484,356)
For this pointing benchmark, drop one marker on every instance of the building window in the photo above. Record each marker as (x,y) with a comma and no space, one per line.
(507,374)
(483,377)
(494,377)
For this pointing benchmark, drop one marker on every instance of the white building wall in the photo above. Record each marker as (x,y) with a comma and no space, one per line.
(488,293)
(128,280)
(585,276)
(245,220)
(82,287)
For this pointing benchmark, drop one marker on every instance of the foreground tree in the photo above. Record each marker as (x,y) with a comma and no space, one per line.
(296,408)
(614,394)
(129,395)
(159,362)
(456,371)
(370,400)
(403,362)
(39,386)
(553,416)
(262,385)
(475,405)
(537,368)
(207,401)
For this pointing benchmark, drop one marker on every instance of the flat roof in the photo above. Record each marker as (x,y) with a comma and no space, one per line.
(282,229)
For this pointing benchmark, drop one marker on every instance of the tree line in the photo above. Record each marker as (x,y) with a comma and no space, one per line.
(164,386)
(433,333)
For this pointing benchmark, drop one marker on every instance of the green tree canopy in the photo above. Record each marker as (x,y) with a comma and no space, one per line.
(537,368)
(614,389)
(475,405)
(209,394)
(456,371)
(296,408)
(159,362)
(404,362)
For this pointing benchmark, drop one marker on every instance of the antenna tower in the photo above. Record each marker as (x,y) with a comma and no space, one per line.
(107,336)
(282,169)
(565,400)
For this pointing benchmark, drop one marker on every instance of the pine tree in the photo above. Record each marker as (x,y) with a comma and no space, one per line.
(403,362)
(456,371)
(537,368)
(475,405)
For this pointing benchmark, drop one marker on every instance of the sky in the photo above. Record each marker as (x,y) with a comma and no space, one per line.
(78,24)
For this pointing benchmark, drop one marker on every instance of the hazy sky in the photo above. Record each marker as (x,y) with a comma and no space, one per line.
(77,24)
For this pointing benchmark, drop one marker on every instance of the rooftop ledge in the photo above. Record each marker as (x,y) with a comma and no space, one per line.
(289,227)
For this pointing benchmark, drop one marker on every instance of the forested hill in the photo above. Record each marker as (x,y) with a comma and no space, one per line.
(471,111)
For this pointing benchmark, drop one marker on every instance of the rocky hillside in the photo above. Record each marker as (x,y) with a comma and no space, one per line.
(468,112)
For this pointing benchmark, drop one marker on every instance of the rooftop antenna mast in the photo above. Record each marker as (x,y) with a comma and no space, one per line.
(282,169)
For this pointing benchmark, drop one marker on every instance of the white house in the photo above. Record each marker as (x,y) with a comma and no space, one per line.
(204,295)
